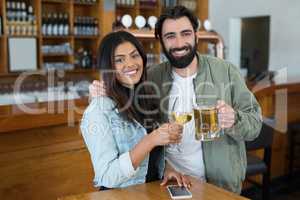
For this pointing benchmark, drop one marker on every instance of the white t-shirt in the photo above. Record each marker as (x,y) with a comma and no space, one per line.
(186,157)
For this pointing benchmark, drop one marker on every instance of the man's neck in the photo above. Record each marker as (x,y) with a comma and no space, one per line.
(189,70)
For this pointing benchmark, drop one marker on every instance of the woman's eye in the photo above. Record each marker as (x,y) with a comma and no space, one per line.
(118,61)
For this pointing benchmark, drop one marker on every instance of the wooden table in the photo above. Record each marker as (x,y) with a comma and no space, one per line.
(153,190)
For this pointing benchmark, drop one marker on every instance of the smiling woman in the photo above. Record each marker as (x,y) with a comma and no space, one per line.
(129,64)
(123,151)
(120,54)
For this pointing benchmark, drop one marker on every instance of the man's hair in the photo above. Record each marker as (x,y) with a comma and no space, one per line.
(175,13)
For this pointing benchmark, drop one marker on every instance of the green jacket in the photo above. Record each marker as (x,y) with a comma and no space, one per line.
(224,159)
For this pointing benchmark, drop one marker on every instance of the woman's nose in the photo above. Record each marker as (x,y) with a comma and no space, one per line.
(129,62)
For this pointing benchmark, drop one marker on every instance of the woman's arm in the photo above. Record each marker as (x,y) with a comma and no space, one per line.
(166,134)
(111,168)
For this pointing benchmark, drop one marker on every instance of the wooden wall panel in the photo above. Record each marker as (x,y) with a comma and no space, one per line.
(44,164)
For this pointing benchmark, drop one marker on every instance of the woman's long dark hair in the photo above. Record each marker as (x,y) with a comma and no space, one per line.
(123,96)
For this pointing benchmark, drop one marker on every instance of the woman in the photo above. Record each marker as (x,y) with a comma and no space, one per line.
(113,126)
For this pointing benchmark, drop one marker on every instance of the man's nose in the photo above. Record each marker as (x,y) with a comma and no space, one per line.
(179,42)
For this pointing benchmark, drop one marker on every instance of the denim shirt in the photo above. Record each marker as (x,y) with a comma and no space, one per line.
(109,138)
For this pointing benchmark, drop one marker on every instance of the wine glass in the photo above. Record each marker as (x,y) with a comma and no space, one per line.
(179,116)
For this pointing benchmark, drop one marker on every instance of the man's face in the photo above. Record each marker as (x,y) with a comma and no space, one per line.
(179,41)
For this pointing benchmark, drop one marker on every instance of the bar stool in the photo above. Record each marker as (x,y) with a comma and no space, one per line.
(294,143)
(256,165)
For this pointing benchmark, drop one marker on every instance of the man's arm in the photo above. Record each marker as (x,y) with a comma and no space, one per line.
(248,119)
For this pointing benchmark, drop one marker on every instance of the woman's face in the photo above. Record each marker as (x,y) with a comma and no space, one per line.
(128,64)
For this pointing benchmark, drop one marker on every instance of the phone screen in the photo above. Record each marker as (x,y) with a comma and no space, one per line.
(178,191)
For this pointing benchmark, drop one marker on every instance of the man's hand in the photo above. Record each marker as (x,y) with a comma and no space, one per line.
(182,180)
(226,114)
(97,88)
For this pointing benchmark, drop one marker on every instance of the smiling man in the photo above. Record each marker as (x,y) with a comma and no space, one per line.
(188,75)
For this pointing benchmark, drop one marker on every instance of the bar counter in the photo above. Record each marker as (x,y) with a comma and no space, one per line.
(43,156)
(153,190)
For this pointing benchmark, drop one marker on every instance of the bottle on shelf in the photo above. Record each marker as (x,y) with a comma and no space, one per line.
(169,3)
(96,28)
(49,24)
(55,24)
(66,24)
(60,30)
(44,24)
(23,13)
(125,2)
(9,11)
(83,58)
(20,18)
(86,26)
(32,21)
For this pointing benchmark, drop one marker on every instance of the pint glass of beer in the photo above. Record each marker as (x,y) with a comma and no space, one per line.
(206,122)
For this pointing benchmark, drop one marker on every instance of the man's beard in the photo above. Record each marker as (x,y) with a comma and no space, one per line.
(183,61)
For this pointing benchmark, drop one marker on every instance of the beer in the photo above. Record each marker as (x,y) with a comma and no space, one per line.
(181,118)
(206,123)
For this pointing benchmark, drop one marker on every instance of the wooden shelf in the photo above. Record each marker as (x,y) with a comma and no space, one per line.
(148,7)
(211,37)
(57,55)
(120,6)
(69,71)
(57,37)
(81,70)
(87,37)
(85,4)
(142,34)
(56,1)
(22,36)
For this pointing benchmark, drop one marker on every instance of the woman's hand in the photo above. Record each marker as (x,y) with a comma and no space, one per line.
(182,180)
(169,133)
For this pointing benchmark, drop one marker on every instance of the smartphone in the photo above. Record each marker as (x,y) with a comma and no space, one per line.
(179,192)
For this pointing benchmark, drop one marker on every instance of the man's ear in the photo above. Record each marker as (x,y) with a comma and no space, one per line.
(196,37)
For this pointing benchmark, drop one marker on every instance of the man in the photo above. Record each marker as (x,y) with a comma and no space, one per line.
(188,75)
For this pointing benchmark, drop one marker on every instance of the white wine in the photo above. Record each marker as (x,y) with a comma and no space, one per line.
(181,118)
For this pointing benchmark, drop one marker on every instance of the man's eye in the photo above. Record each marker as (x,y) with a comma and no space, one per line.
(136,55)
(170,37)
(186,34)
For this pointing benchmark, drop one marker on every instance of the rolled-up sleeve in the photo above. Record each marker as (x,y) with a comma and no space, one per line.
(111,168)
